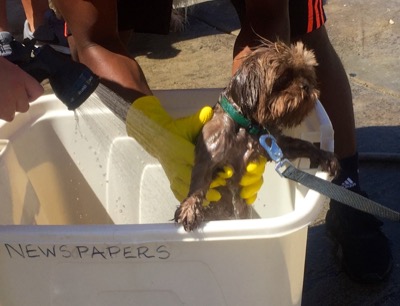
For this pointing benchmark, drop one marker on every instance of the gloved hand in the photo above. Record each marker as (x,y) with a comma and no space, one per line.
(171,142)
(251,181)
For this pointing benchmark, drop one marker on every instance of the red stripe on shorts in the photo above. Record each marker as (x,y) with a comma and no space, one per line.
(310,16)
(318,13)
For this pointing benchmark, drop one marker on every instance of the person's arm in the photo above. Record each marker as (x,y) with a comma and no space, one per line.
(96,43)
(17,89)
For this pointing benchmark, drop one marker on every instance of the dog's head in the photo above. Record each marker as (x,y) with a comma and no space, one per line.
(275,85)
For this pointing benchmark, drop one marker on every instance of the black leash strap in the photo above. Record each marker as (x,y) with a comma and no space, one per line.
(332,191)
(340,194)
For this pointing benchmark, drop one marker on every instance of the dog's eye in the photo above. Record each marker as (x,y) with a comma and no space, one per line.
(283,81)
(304,86)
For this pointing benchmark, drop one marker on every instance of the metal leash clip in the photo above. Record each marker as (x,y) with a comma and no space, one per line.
(274,152)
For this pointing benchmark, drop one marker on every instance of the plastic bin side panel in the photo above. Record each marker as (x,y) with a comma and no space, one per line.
(229,272)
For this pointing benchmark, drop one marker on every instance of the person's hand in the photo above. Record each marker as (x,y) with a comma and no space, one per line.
(168,140)
(17,89)
(171,142)
(251,181)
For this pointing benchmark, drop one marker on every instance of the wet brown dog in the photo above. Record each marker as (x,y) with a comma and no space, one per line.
(274,88)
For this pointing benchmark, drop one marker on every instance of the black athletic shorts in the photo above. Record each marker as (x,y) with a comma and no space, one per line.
(305,15)
(146,16)
(154,16)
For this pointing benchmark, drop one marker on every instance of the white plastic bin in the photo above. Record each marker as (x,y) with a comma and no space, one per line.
(79,228)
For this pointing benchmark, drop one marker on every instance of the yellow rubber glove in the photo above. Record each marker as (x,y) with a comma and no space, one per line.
(252,180)
(171,142)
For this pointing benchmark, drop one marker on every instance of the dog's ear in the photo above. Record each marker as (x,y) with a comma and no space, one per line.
(245,86)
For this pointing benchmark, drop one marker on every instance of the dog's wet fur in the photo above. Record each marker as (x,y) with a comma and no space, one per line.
(276,88)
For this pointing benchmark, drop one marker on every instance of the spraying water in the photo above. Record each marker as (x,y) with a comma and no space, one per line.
(105,114)
(102,117)
(100,124)
(98,107)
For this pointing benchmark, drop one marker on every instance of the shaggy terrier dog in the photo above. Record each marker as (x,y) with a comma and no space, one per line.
(275,88)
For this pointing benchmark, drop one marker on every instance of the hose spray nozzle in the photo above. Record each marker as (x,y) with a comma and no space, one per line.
(72,82)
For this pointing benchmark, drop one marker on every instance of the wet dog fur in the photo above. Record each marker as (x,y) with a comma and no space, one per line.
(275,88)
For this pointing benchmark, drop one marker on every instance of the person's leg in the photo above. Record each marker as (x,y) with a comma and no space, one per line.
(335,90)
(364,250)
(5,35)
(43,25)
(267,19)
(307,21)
(35,12)
(93,25)
(336,98)
(3,16)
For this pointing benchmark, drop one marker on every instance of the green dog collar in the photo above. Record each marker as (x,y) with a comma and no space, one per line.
(240,119)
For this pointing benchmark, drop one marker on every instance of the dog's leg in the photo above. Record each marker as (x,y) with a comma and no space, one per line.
(214,150)
(294,148)
(190,212)
(207,155)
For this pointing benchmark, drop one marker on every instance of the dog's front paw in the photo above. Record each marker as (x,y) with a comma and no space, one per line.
(190,213)
(329,163)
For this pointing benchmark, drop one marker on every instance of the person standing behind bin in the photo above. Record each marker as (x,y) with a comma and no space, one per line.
(365,251)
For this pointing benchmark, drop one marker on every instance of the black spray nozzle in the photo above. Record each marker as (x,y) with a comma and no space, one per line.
(72,82)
